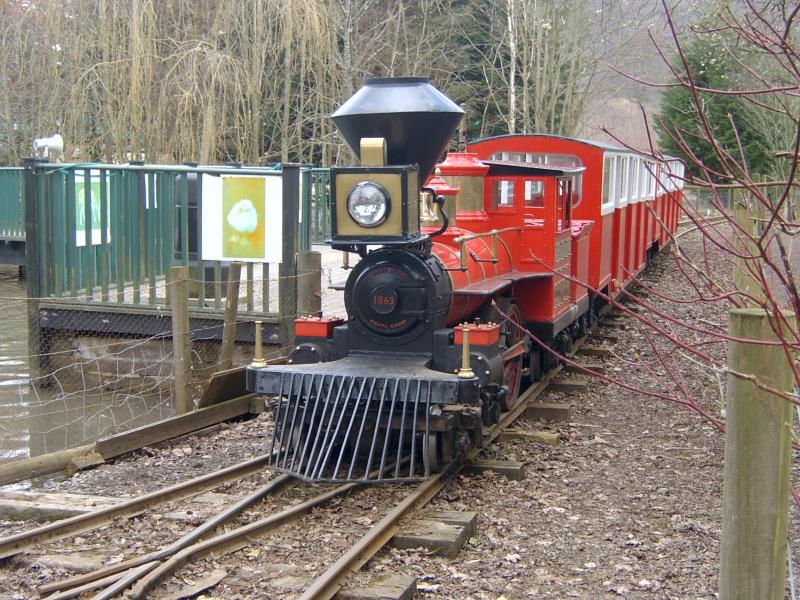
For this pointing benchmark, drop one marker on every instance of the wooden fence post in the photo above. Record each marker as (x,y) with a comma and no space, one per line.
(309,283)
(757,461)
(181,338)
(231,310)
(38,361)
(287,272)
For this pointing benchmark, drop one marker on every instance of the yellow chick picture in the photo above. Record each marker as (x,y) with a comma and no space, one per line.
(243,217)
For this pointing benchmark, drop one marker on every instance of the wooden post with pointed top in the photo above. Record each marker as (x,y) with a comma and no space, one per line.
(756,475)
(309,284)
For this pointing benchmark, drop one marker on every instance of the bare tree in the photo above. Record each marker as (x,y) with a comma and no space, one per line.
(754,236)
(256,80)
(539,52)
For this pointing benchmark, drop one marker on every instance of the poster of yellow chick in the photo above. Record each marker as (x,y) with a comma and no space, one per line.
(243,217)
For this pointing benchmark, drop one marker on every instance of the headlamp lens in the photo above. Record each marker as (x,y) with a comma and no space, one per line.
(368,204)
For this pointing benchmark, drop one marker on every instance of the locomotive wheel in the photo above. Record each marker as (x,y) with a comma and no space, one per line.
(434,456)
(512,368)
(535,365)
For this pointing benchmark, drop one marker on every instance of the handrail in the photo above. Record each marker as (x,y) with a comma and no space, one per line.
(148,167)
(475,236)
(463,239)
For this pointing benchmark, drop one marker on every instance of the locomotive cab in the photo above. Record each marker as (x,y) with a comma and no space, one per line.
(552,251)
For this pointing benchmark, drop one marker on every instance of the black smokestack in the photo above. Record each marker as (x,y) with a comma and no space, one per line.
(415,118)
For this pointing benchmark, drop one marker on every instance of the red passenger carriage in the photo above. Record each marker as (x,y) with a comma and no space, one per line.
(632,199)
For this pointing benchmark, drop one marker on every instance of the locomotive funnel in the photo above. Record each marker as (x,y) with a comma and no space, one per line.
(414,118)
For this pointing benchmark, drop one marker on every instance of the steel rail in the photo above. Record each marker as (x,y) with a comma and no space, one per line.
(222,543)
(331,582)
(230,541)
(708,222)
(327,585)
(25,540)
(192,536)
(86,587)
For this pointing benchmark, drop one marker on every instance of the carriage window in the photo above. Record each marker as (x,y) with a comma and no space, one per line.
(652,180)
(668,183)
(621,186)
(502,193)
(633,179)
(677,170)
(534,194)
(644,180)
(647,173)
(608,181)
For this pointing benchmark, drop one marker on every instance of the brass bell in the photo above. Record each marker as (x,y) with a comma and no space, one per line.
(427,213)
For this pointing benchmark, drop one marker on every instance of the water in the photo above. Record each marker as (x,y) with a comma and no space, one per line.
(14,368)
(94,386)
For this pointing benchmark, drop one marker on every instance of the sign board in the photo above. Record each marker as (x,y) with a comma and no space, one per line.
(242,218)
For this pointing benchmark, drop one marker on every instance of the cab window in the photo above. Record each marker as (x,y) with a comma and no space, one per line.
(577,186)
(534,194)
(502,193)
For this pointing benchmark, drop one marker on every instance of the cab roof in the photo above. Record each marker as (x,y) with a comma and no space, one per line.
(606,146)
(513,168)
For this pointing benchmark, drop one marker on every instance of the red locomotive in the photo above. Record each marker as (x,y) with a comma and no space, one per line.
(524,228)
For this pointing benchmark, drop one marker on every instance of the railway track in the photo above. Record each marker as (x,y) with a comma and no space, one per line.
(26,540)
(331,581)
(143,573)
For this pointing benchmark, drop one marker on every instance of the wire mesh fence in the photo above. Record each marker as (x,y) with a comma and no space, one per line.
(94,375)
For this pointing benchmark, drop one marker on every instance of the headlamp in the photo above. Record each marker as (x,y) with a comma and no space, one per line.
(368,204)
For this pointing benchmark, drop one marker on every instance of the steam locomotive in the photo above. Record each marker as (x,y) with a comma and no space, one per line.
(519,233)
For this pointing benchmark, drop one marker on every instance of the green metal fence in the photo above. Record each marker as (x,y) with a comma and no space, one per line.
(314,207)
(12,209)
(107,234)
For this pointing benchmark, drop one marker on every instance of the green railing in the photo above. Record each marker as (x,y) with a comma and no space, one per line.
(314,209)
(108,234)
(12,213)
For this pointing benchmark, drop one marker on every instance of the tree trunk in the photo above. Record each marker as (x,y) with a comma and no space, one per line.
(511,13)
